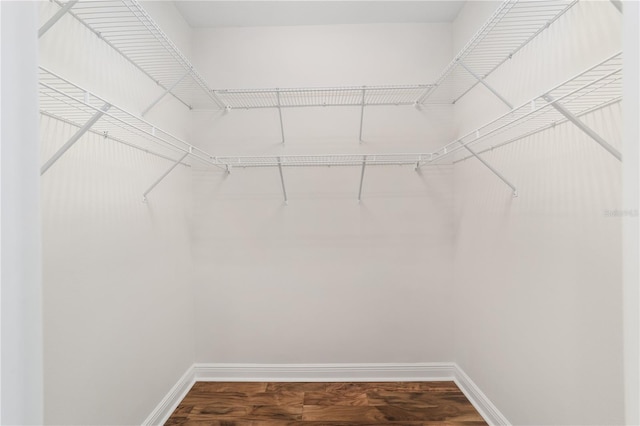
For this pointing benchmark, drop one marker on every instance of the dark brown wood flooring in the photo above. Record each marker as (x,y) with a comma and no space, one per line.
(354,403)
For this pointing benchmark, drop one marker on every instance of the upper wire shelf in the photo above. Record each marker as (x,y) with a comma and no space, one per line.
(127,27)
(594,88)
(513,25)
(321,96)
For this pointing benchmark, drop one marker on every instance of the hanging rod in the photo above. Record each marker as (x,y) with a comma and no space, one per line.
(128,29)
(592,89)
(511,27)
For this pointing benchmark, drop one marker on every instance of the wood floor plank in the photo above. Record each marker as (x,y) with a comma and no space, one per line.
(325,404)
(242,398)
(341,413)
(336,398)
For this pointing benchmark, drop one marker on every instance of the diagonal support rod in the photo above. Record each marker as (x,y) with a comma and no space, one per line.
(484,83)
(280,114)
(284,190)
(362,113)
(164,175)
(495,172)
(575,120)
(165,93)
(77,135)
(364,164)
(55,18)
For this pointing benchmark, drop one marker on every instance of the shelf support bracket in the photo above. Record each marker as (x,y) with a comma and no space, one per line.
(362,113)
(364,164)
(165,93)
(284,190)
(77,135)
(484,83)
(55,18)
(495,172)
(575,120)
(280,115)
(164,175)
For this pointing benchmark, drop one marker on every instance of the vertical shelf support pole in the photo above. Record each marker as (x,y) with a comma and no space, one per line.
(362,112)
(165,93)
(165,174)
(484,83)
(280,114)
(495,172)
(284,190)
(55,18)
(364,164)
(575,120)
(84,129)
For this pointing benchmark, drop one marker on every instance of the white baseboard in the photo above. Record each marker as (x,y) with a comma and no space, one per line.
(325,372)
(433,371)
(171,401)
(485,407)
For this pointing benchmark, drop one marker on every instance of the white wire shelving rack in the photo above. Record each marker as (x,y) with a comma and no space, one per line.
(591,90)
(127,27)
(65,101)
(354,96)
(512,26)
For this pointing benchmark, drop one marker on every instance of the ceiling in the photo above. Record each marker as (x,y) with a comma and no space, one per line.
(240,13)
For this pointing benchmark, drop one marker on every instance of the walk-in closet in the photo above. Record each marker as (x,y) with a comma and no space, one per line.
(320,191)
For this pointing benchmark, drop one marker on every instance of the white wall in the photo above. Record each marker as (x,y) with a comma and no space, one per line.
(118,306)
(20,260)
(538,279)
(324,279)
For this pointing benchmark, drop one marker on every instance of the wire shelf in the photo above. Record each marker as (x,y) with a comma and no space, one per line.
(513,25)
(321,96)
(595,88)
(323,160)
(126,27)
(71,104)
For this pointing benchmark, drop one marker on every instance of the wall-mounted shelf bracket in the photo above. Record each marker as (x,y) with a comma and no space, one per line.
(485,84)
(575,120)
(284,190)
(362,113)
(165,93)
(280,114)
(164,175)
(364,164)
(55,18)
(493,170)
(84,129)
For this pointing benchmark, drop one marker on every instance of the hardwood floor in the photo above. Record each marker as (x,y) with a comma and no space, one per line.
(332,404)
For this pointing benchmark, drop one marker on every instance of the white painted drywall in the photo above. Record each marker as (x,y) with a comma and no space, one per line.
(118,306)
(538,279)
(324,279)
(630,226)
(21,283)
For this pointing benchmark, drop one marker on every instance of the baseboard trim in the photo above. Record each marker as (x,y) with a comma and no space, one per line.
(432,371)
(170,402)
(485,407)
(324,372)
